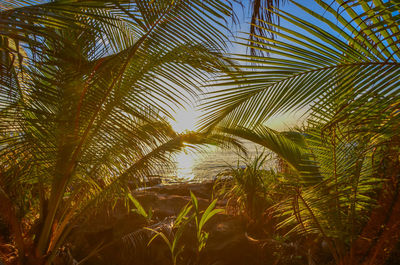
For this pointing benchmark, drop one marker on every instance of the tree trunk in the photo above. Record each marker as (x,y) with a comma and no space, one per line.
(381,234)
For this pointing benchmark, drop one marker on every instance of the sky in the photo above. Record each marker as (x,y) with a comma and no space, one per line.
(186,118)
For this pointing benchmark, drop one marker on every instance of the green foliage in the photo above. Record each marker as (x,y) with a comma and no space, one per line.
(85,88)
(341,71)
(249,190)
(181,226)
(140,210)
(201,219)
(174,245)
(289,146)
(332,62)
(338,206)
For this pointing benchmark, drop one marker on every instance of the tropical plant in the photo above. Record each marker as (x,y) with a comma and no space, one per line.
(140,210)
(262,20)
(250,189)
(174,245)
(181,225)
(288,145)
(85,88)
(344,71)
(304,68)
(201,218)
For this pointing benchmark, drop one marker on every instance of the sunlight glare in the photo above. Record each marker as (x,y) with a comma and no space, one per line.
(185,119)
(185,163)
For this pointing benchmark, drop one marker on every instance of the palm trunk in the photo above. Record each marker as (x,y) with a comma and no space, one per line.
(381,234)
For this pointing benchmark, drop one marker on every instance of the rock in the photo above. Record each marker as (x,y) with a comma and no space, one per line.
(227,243)
(201,190)
(165,205)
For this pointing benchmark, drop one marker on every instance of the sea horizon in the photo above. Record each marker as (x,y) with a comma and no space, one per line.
(206,165)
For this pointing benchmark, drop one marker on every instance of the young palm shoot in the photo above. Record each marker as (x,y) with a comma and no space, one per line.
(181,223)
(174,246)
(201,220)
(140,210)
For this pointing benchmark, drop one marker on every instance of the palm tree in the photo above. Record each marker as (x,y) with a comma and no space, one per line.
(262,21)
(365,50)
(344,71)
(85,88)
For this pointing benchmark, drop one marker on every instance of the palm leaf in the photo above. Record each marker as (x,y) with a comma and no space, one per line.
(290,146)
(85,92)
(304,69)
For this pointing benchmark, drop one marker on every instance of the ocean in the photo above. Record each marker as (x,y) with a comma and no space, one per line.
(201,166)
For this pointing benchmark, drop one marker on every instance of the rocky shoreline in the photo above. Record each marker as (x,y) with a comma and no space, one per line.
(122,232)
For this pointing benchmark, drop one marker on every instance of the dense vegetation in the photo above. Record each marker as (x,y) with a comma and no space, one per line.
(86,89)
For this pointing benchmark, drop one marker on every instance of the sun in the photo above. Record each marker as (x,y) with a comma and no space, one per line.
(185,119)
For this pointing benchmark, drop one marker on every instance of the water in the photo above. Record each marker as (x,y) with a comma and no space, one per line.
(198,167)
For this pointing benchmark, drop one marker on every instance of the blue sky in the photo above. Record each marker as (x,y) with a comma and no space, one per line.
(290,119)
(244,17)
(241,29)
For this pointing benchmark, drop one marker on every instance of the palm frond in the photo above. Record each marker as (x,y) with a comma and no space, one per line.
(290,146)
(84,95)
(305,68)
